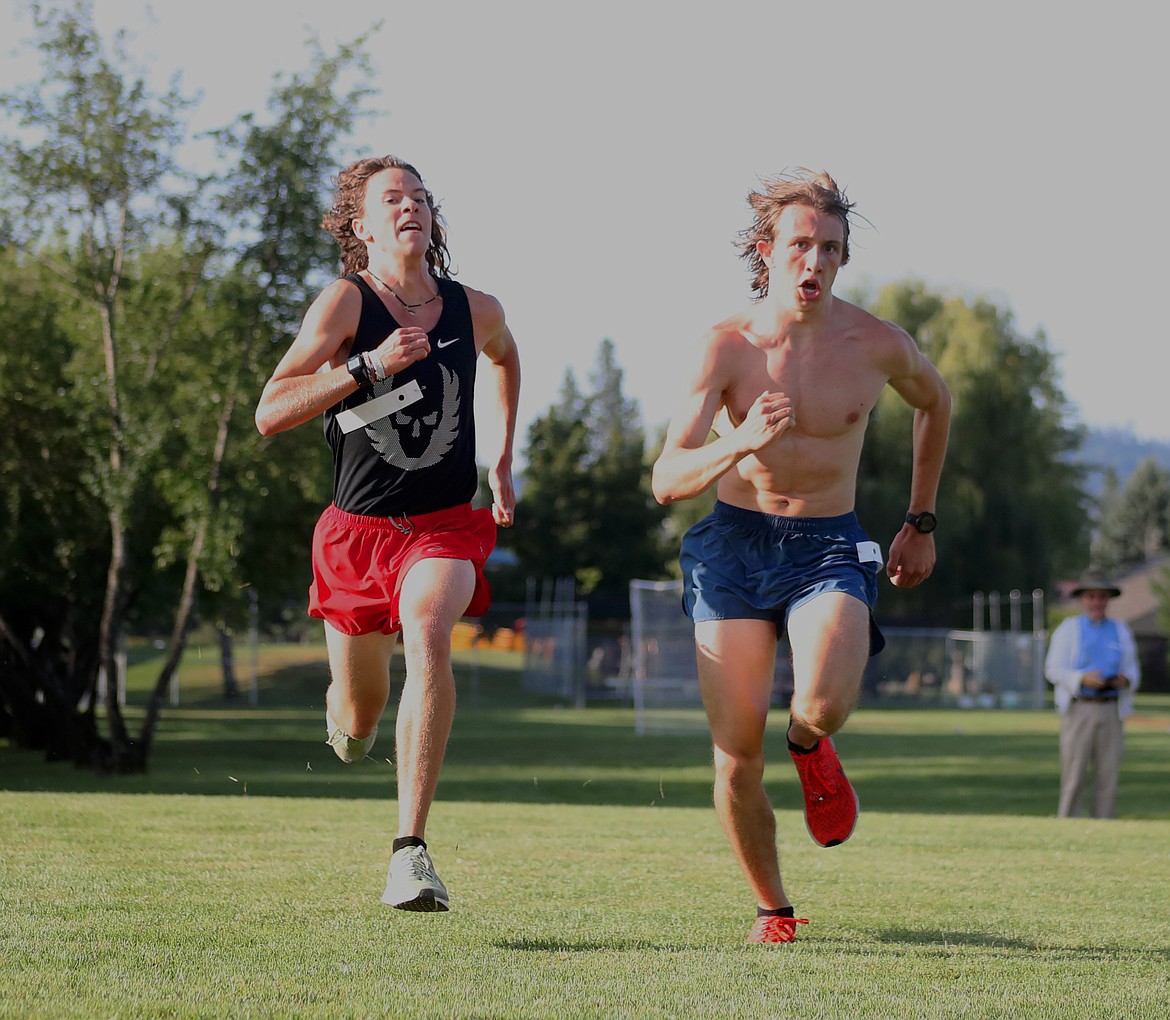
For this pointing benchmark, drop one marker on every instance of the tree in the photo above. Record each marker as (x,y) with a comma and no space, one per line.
(1135,522)
(1013,506)
(586,509)
(99,167)
(47,535)
(160,287)
(273,198)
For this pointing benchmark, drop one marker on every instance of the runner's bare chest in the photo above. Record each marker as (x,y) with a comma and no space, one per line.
(832,386)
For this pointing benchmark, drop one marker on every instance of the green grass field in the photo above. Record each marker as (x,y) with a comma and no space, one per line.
(240,877)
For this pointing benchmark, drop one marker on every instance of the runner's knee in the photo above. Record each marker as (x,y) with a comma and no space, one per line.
(739,770)
(426,639)
(823,714)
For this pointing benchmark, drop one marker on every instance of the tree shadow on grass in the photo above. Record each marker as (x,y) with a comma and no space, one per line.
(1032,947)
(890,937)
(508,746)
(517,756)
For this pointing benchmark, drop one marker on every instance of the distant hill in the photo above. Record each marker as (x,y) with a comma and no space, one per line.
(1120,450)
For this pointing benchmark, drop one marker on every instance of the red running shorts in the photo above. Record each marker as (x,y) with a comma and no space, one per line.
(359,562)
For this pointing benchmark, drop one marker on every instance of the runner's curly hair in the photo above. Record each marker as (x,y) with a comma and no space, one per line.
(797,187)
(349,205)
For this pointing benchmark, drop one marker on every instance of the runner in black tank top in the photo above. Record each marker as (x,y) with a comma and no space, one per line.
(392,370)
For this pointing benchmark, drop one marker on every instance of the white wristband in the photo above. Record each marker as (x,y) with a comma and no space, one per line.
(377,369)
(369,363)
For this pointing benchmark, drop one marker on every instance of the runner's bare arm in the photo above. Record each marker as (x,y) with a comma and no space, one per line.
(311,376)
(500,348)
(688,465)
(912,554)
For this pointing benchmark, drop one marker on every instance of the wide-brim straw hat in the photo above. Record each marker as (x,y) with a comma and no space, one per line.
(1096,584)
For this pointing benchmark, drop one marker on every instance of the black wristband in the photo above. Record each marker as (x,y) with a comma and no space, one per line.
(357,368)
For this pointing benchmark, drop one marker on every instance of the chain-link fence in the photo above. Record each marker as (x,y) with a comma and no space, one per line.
(978,668)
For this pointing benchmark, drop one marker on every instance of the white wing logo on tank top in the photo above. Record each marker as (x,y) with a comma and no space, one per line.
(412,439)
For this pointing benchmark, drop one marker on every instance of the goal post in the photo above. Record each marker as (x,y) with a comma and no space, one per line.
(666,679)
(665,673)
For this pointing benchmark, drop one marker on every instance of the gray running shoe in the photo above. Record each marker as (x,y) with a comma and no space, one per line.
(411,882)
(348,749)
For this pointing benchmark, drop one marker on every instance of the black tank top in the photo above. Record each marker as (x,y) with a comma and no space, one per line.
(419,458)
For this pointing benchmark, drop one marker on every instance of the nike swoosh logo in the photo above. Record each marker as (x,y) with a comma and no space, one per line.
(447,343)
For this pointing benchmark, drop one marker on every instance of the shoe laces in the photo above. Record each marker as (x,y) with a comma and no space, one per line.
(782,927)
(419,865)
(824,772)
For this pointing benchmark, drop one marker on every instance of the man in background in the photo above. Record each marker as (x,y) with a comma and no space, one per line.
(1093,667)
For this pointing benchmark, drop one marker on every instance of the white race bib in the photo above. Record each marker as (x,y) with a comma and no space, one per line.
(379,407)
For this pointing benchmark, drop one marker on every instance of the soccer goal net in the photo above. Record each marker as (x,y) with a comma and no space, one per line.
(665,676)
(666,681)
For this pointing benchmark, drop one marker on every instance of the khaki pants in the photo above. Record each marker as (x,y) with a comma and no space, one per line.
(1091,737)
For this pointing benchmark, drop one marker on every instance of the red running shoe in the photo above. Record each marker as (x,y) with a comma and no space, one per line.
(770,928)
(830,804)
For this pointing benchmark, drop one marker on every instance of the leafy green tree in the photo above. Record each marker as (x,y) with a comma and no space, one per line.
(161,288)
(586,510)
(96,160)
(1135,521)
(1134,527)
(1013,506)
(47,532)
(628,534)
(273,198)
(551,535)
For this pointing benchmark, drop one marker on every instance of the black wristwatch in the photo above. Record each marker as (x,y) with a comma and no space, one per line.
(924,522)
(357,368)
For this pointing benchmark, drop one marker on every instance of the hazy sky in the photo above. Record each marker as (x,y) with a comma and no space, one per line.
(593,159)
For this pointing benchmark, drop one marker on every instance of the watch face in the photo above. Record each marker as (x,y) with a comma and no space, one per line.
(924,522)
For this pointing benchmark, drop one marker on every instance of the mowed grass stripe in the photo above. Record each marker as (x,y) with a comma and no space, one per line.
(253,906)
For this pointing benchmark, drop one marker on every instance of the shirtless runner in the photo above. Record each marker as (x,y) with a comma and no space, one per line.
(788,384)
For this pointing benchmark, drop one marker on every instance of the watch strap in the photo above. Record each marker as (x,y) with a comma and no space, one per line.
(924,522)
(357,368)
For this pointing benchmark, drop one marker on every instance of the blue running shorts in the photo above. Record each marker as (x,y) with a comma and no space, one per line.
(745,565)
